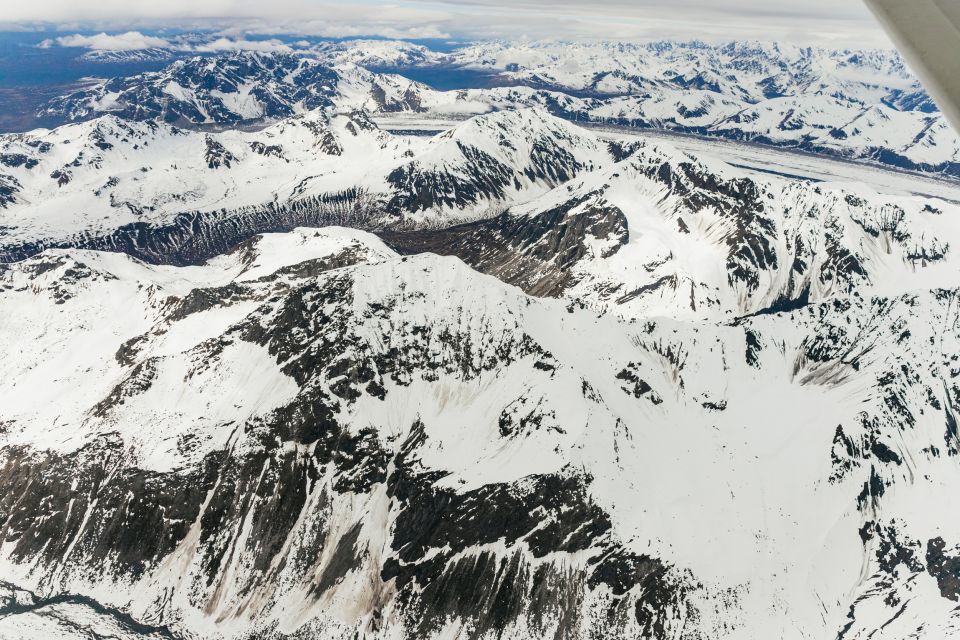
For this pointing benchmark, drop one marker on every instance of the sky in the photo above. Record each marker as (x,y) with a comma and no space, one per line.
(817,22)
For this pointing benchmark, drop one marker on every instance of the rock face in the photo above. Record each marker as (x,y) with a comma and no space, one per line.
(570,389)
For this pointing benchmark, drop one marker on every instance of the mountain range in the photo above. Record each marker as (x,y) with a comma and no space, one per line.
(860,105)
(273,372)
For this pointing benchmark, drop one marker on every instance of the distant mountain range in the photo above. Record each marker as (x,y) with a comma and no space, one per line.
(860,105)
(136,55)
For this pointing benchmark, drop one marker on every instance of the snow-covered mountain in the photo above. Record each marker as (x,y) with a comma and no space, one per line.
(665,233)
(853,104)
(378,53)
(576,386)
(313,437)
(172,195)
(151,54)
(743,71)
(862,105)
(202,90)
(85,181)
(235,88)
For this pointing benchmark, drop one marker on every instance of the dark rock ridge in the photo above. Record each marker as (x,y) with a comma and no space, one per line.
(535,253)
(193,238)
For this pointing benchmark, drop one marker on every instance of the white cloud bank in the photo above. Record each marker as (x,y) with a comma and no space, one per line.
(833,22)
(226,44)
(129,41)
(134,40)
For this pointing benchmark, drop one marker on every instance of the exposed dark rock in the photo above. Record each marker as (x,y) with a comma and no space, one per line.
(193,238)
(945,567)
(535,253)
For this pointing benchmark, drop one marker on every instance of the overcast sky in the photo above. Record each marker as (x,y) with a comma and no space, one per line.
(836,22)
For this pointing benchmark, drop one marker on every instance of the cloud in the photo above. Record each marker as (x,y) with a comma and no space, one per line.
(129,41)
(838,22)
(134,40)
(226,44)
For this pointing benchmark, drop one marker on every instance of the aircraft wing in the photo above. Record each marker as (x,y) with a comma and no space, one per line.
(927,32)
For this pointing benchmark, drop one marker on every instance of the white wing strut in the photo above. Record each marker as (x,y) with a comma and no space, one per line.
(927,32)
